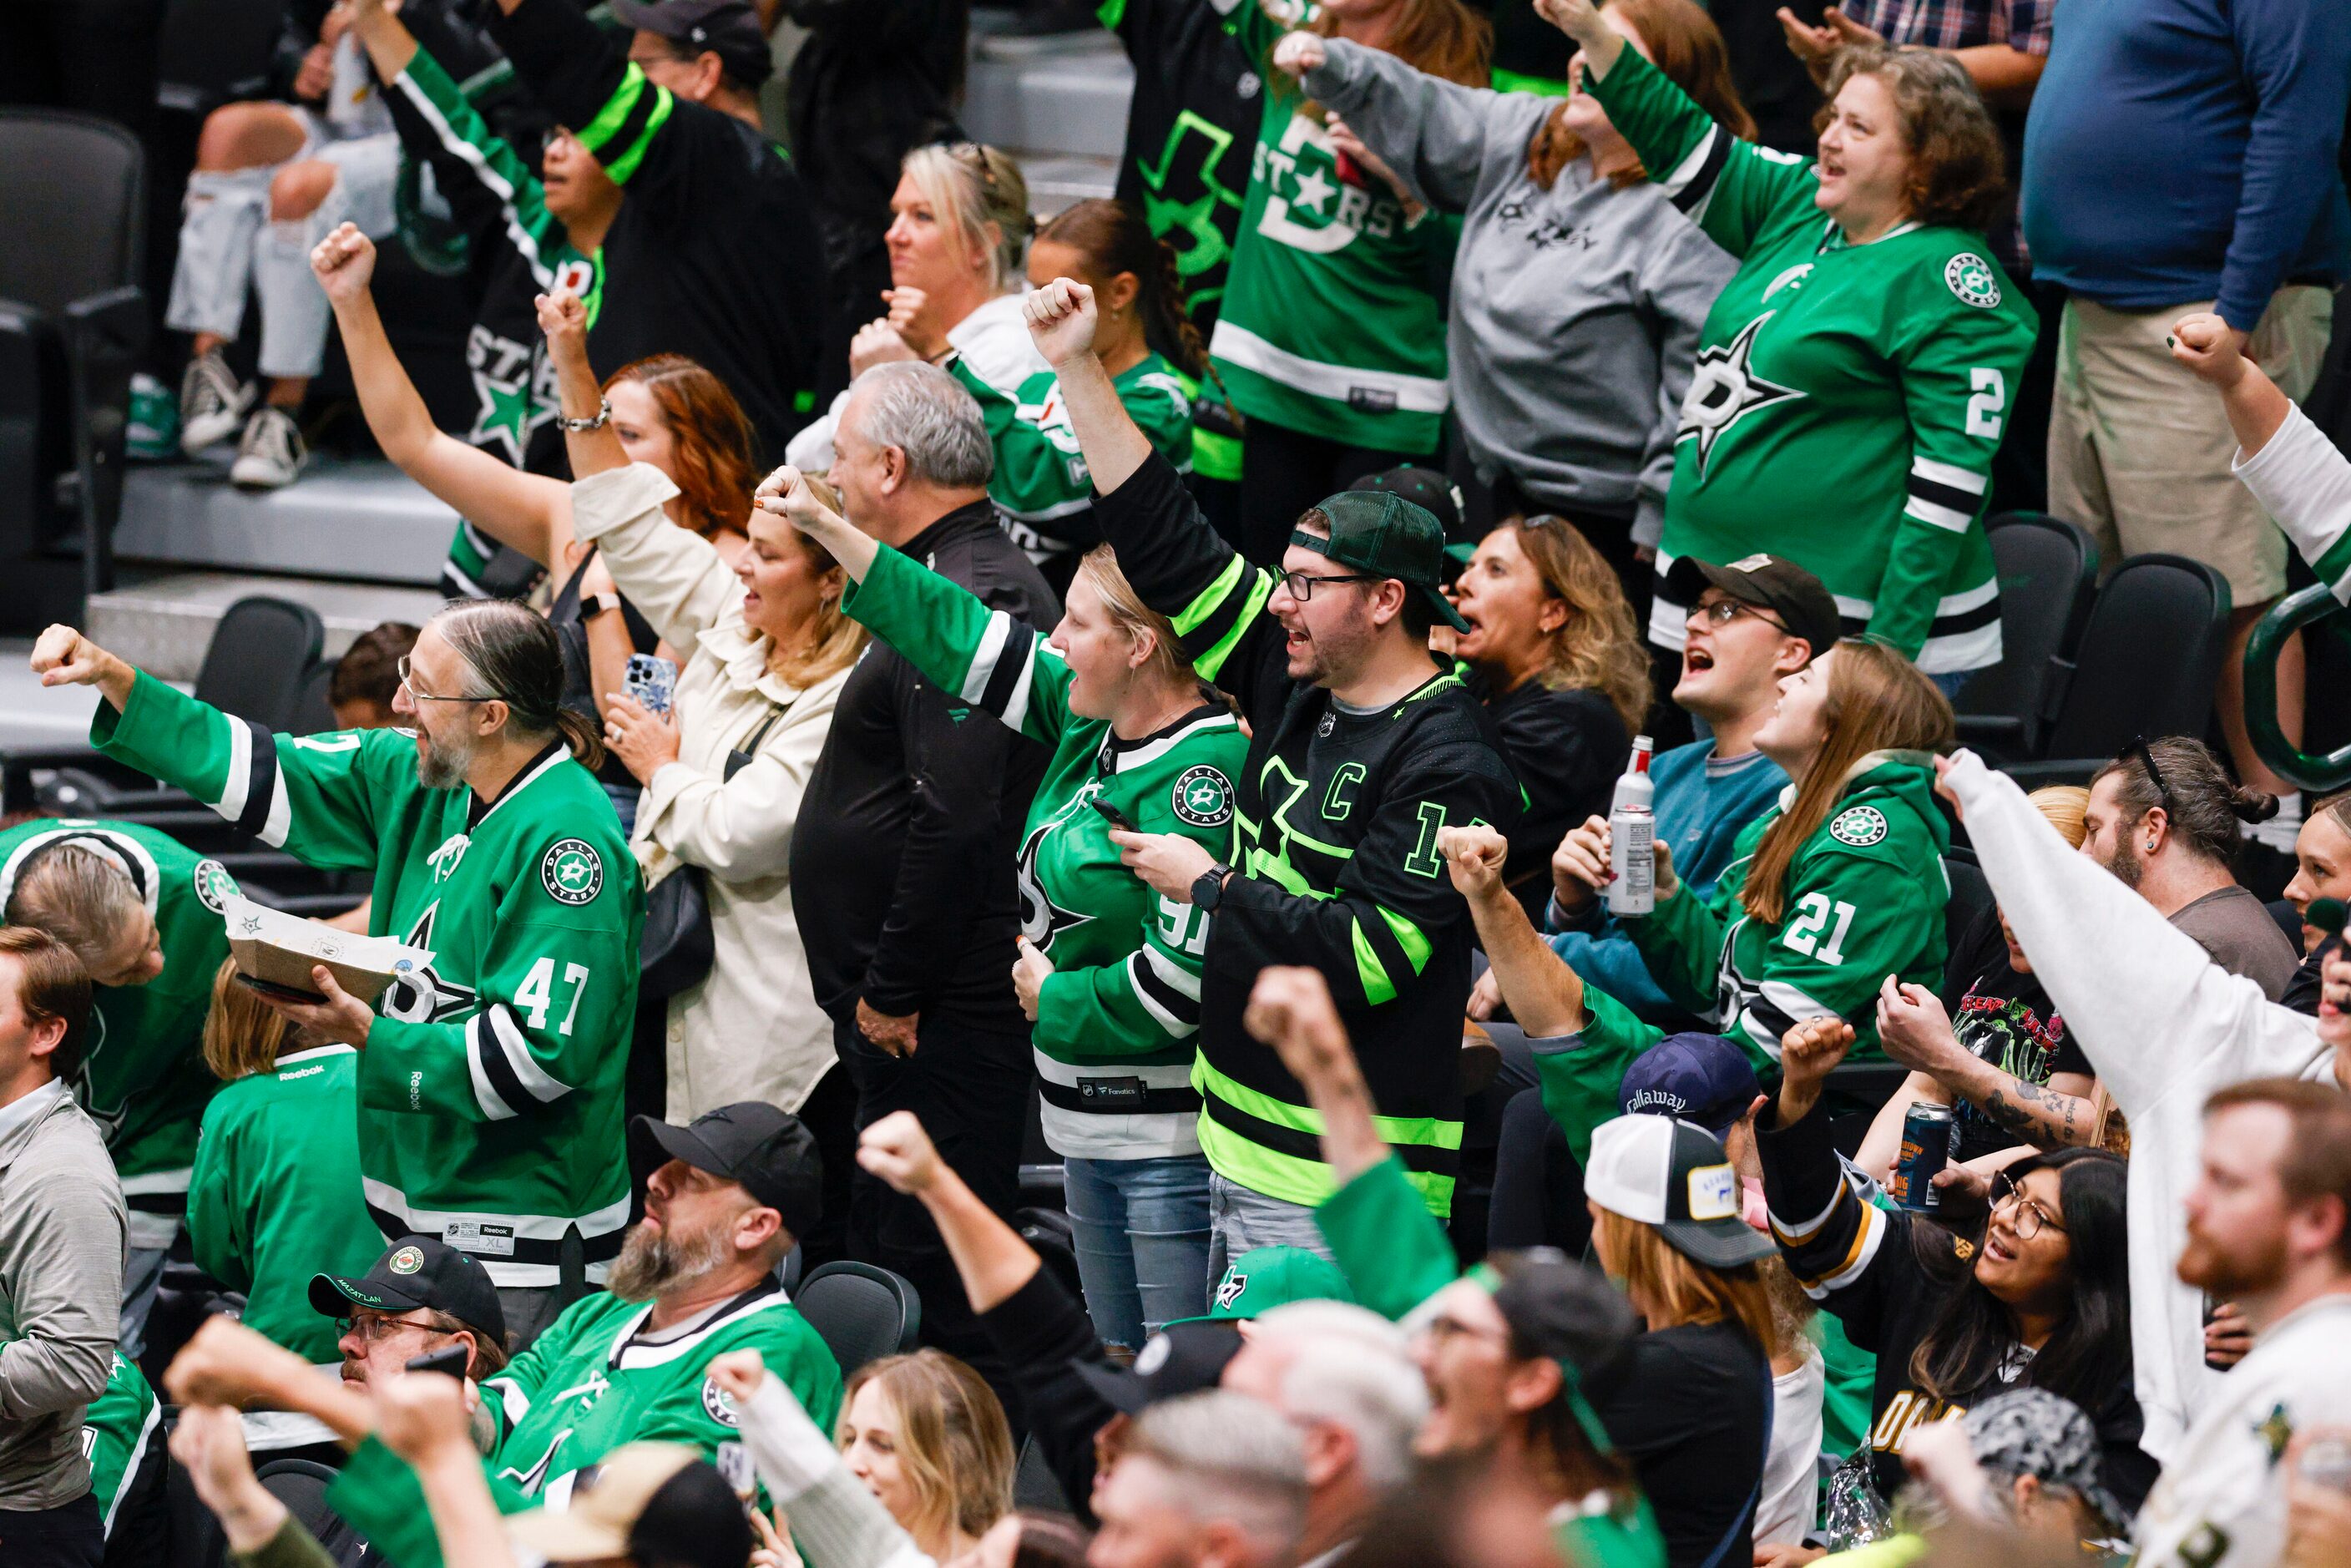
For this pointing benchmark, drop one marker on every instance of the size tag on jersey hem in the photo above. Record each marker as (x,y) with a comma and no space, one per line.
(480,1239)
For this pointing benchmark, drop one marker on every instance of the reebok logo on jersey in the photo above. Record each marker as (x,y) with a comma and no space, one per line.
(1971,278)
(1860,826)
(214,886)
(1204,798)
(571,871)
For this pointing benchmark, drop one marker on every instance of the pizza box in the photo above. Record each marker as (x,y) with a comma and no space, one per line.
(275,953)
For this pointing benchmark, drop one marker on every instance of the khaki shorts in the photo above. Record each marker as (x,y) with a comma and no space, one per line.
(2140,449)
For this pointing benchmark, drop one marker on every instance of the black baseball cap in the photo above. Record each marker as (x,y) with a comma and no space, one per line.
(1673,1176)
(1800,601)
(418,1271)
(1185,1357)
(1380,532)
(770,1151)
(1424,488)
(727,28)
(1701,1078)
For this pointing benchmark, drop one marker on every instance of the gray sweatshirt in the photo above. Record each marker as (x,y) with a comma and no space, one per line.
(63,1236)
(1575,310)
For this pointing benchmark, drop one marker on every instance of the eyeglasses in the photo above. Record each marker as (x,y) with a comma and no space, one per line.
(380,1326)
(2030,1218)
(409,685)
(1302,584)
(1723,611)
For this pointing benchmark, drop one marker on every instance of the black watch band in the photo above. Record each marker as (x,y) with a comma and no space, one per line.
(1208,887)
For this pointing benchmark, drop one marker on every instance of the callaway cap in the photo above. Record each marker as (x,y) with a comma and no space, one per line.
(2032,1432)
(651,1502)
(768,1151)
(1381,533)
(1182,1358)
(1769,582)
(727,28)
(1701,1078)
(1264,1278)
(1673,1174)
(418,1271)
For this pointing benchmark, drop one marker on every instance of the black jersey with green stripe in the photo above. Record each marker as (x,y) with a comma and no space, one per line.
(713,255)
(1117,1019)
(142,1077)
(1335,820)
(489,1084)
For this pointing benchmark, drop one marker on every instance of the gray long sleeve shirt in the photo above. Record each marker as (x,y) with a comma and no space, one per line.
(1575,310)
(63,1233)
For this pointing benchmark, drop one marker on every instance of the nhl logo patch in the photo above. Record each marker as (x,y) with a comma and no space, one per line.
(1971,278)
(1204,798)
(214,886)
(571,873)
(1860,826)
(718,1405)
(407,1260)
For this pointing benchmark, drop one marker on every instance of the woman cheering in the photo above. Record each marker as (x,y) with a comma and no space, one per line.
(1107,971)
(1853,378)
(722,773)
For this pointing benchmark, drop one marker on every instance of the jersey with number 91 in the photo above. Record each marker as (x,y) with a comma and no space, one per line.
(490,1082)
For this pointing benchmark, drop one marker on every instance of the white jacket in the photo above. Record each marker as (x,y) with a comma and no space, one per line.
(751,1030)
(2221,1502)
(2165,1026)
(994,341)
(2302,481)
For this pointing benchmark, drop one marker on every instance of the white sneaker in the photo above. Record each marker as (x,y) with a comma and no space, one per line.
(271,454)
(212,403)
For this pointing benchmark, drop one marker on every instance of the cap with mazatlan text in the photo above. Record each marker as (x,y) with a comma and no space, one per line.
(418,1271)
(1380,532)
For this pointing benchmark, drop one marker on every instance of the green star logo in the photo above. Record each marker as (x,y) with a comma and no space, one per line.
(571,871)
(504,415)
(1970,276)
(1203,798)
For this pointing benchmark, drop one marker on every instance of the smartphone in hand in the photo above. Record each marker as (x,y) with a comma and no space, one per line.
(653,681)
(1112,815)
(450,1361)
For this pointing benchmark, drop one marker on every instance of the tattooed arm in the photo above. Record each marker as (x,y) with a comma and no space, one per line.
(1916,1032)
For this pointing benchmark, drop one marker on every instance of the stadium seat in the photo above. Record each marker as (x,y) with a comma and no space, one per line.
(1033,1484)
(73,323)
(862,1313)
(2145,666)
(2048,571)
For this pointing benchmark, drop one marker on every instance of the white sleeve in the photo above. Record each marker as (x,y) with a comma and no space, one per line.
(2301,480)
(841,1523)
(676,579)
(2146,1002)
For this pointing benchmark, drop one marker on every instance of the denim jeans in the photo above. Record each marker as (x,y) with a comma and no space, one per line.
(1142,1229)
(1240,1220)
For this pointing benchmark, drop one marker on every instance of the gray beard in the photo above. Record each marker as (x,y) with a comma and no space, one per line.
(438,768)
(652,1263)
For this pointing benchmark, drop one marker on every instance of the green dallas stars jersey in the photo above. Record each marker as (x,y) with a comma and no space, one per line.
(116,1430)
(1040,484)
(276,1197)
(1847,400)
(1115,1022)
(1334,318)
(143,1079)
(490,1082)
(594,1380)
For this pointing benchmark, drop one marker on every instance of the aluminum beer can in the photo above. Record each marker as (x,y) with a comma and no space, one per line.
(1926,1150)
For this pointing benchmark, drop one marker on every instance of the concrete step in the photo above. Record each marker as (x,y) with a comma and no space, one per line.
(1057,179)
(164,625)
(344,519)
(1061,93)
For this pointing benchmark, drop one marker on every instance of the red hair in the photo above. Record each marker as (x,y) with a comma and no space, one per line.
(710,440)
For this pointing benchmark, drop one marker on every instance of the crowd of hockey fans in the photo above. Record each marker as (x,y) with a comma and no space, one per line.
(1275,873)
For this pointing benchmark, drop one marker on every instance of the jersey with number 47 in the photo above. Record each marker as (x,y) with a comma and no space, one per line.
(490,1082)
(1847,399)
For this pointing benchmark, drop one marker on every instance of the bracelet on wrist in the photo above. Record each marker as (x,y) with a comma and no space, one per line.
(603,417)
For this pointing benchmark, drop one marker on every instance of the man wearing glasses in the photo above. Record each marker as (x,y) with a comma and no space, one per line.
(1363,749)
(490,1075)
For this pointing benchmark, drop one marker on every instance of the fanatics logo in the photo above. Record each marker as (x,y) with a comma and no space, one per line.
(1861,827)
(1971,278)
(214,886)
(407,1260)
(1204,798)
(571,873)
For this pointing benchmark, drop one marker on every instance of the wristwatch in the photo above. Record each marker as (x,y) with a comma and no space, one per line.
(592,605)
(1208,887)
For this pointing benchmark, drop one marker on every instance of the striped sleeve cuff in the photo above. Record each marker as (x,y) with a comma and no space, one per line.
(1944,495)
(507,1080)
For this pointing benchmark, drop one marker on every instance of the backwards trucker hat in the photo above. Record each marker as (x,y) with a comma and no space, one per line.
(647,1502)
(770,1151)
(1800,601)
(418,1271)
(1264,1278)
(727,28)
(1432,492)
(1701,1078)
(1673,1174)
(1185,1357)
(1381,533)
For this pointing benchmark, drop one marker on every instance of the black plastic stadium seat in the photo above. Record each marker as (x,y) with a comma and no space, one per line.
(862,1313)
(2048,571)
(1033,1484)
(2146,665)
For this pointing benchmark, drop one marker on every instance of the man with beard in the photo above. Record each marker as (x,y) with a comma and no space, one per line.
(2164,818)
(490,1086)
(725,1200)
(2269,1227)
